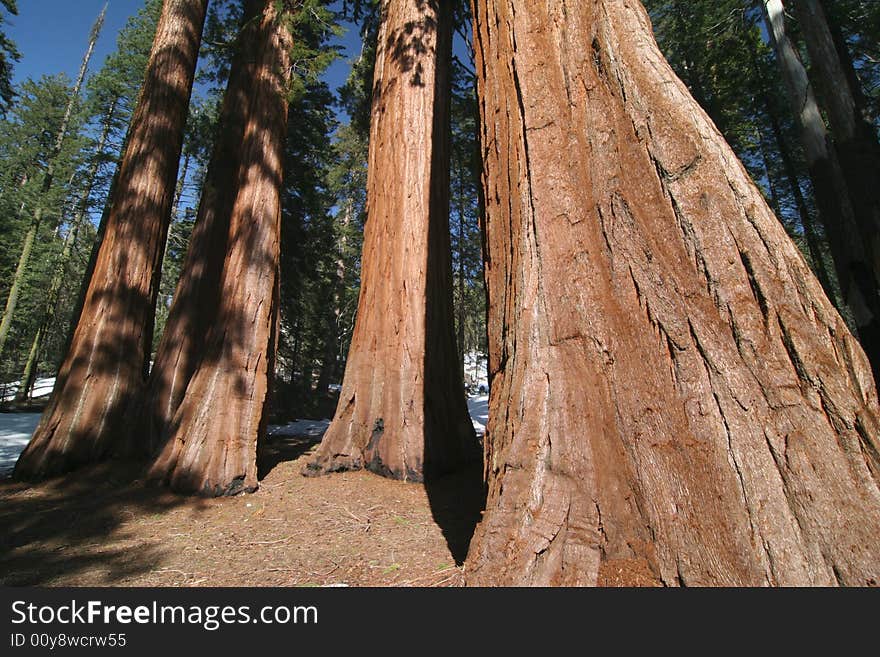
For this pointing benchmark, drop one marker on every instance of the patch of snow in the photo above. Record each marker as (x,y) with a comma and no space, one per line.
(16,429)
(478,407)
(476,374)
(42,387)
(15,433)
(310,428)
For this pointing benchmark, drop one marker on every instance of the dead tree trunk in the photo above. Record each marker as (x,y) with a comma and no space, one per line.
(101,381)
(849,249)
(402,412)
(855,140)
(210,443)
(673,397)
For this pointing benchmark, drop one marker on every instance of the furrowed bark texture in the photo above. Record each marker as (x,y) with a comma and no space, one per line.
(197,295)
(212,444)
(402,412)
(673,397)
(101,379)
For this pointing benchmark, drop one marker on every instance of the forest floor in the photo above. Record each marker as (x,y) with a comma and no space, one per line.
(102,527)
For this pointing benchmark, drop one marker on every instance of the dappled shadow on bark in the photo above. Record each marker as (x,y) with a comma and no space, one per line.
(197,295)
(100,383)
(210,445)
(58,531)
(408,47)
(410,44)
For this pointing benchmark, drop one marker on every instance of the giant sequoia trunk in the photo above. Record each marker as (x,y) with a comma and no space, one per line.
(197,295)
(402,411)
(102,376)
(211,447)
(673,398)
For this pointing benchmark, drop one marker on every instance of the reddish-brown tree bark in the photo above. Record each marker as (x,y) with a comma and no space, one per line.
(402,412)
(197,295)
(673,397)
(212,442)
(101,379)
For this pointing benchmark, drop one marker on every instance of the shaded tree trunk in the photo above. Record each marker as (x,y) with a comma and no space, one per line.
(332,314)
(330,366)
(101,381)
(807,221)
(855,140)
(849,250)
(169,279)
(674,400)
(48,178)
(460,173)
(209,445)
(402,411)
(846,60)
(197,295)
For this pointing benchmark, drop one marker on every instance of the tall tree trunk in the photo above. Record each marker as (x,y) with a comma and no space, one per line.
(210,444)
(854,139)
(673,397)
(178,192)
(334,310)
(101,381)
(331,348)
(771,184)
(460,173)
(329,366)
(852,77)
(165,295)
(197,294)
(402,412)
(808,223)
(48,177)
(29,375)
(850,252)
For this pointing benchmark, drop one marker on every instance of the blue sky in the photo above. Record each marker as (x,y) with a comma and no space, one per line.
(52,36)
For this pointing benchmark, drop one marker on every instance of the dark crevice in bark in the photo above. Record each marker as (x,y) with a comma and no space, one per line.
(755,286)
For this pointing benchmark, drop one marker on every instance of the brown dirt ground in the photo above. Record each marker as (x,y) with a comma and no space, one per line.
(102,527)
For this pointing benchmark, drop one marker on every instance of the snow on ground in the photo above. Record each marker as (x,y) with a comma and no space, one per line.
(479,410)
(475,369)
(42,387)
(15,433)
(16,429)
(311,428)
